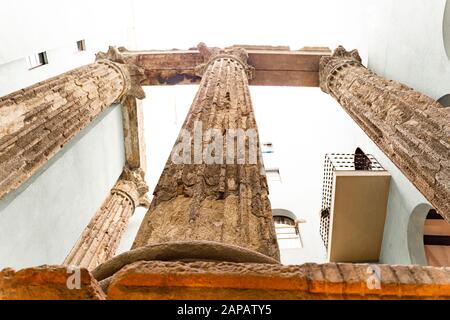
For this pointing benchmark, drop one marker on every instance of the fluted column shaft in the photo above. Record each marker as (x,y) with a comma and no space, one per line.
(412,129)
(36,122)
(100,239)
(222,202)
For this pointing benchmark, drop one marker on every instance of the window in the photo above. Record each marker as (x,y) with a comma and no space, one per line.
(37,60)
(273,174)
(286,229)
(436,238)
(81,45)
(267,147)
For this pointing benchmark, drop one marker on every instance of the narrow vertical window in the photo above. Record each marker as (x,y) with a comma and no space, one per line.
(287,229)
(81,45)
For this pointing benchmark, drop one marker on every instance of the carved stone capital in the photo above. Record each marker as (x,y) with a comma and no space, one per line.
(330,65)
(132,74)
(132,183)
(210,54)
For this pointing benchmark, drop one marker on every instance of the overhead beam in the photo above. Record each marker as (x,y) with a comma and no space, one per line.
(274,66)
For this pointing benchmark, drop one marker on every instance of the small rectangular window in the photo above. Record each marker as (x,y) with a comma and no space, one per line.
(37,60)
(267,147)
(81,45)
(273,174)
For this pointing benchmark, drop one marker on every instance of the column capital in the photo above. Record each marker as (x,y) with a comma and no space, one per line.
(132,184)
(210,54)
(329,65)
(132,74)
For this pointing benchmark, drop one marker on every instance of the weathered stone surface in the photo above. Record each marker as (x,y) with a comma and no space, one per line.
(225,280)
(412,129)
(100,239)
(219,202)
(47,283)
(181,251)
(36,122)
(274,66)
(132,73)
(133,131)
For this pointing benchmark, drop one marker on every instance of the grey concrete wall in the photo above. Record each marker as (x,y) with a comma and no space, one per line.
(41,221)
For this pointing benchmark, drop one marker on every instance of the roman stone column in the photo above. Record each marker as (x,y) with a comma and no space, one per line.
(36,122)
(412,129)
(100,239)
(224,200)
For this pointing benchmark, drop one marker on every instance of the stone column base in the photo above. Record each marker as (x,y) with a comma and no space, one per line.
(161,280)
(152,280)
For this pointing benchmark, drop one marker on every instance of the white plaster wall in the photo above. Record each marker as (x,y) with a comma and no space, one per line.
(15,75)
(405,43)
(41,221)
(304,128)
(27,26)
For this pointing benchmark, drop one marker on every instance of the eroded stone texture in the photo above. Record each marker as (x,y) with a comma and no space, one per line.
(36,122)
(100,239)
(225,203)
(133,131)
(199,250)
(411,128)
(48,283)
(133,75)
(225,280)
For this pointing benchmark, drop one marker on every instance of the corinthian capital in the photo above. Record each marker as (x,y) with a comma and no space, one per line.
(132,74)
(330,65)
(210,54)
(132,183)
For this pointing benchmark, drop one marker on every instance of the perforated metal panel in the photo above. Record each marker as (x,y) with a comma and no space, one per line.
(340,162)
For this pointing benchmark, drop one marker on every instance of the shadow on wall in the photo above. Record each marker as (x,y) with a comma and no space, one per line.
(446,29)
(445,101)
(416,225)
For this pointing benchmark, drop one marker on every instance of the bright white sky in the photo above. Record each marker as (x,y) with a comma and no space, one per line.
(183,24)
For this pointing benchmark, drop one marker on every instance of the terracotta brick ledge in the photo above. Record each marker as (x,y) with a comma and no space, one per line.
(224,280)
(228,281)
(47,283)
